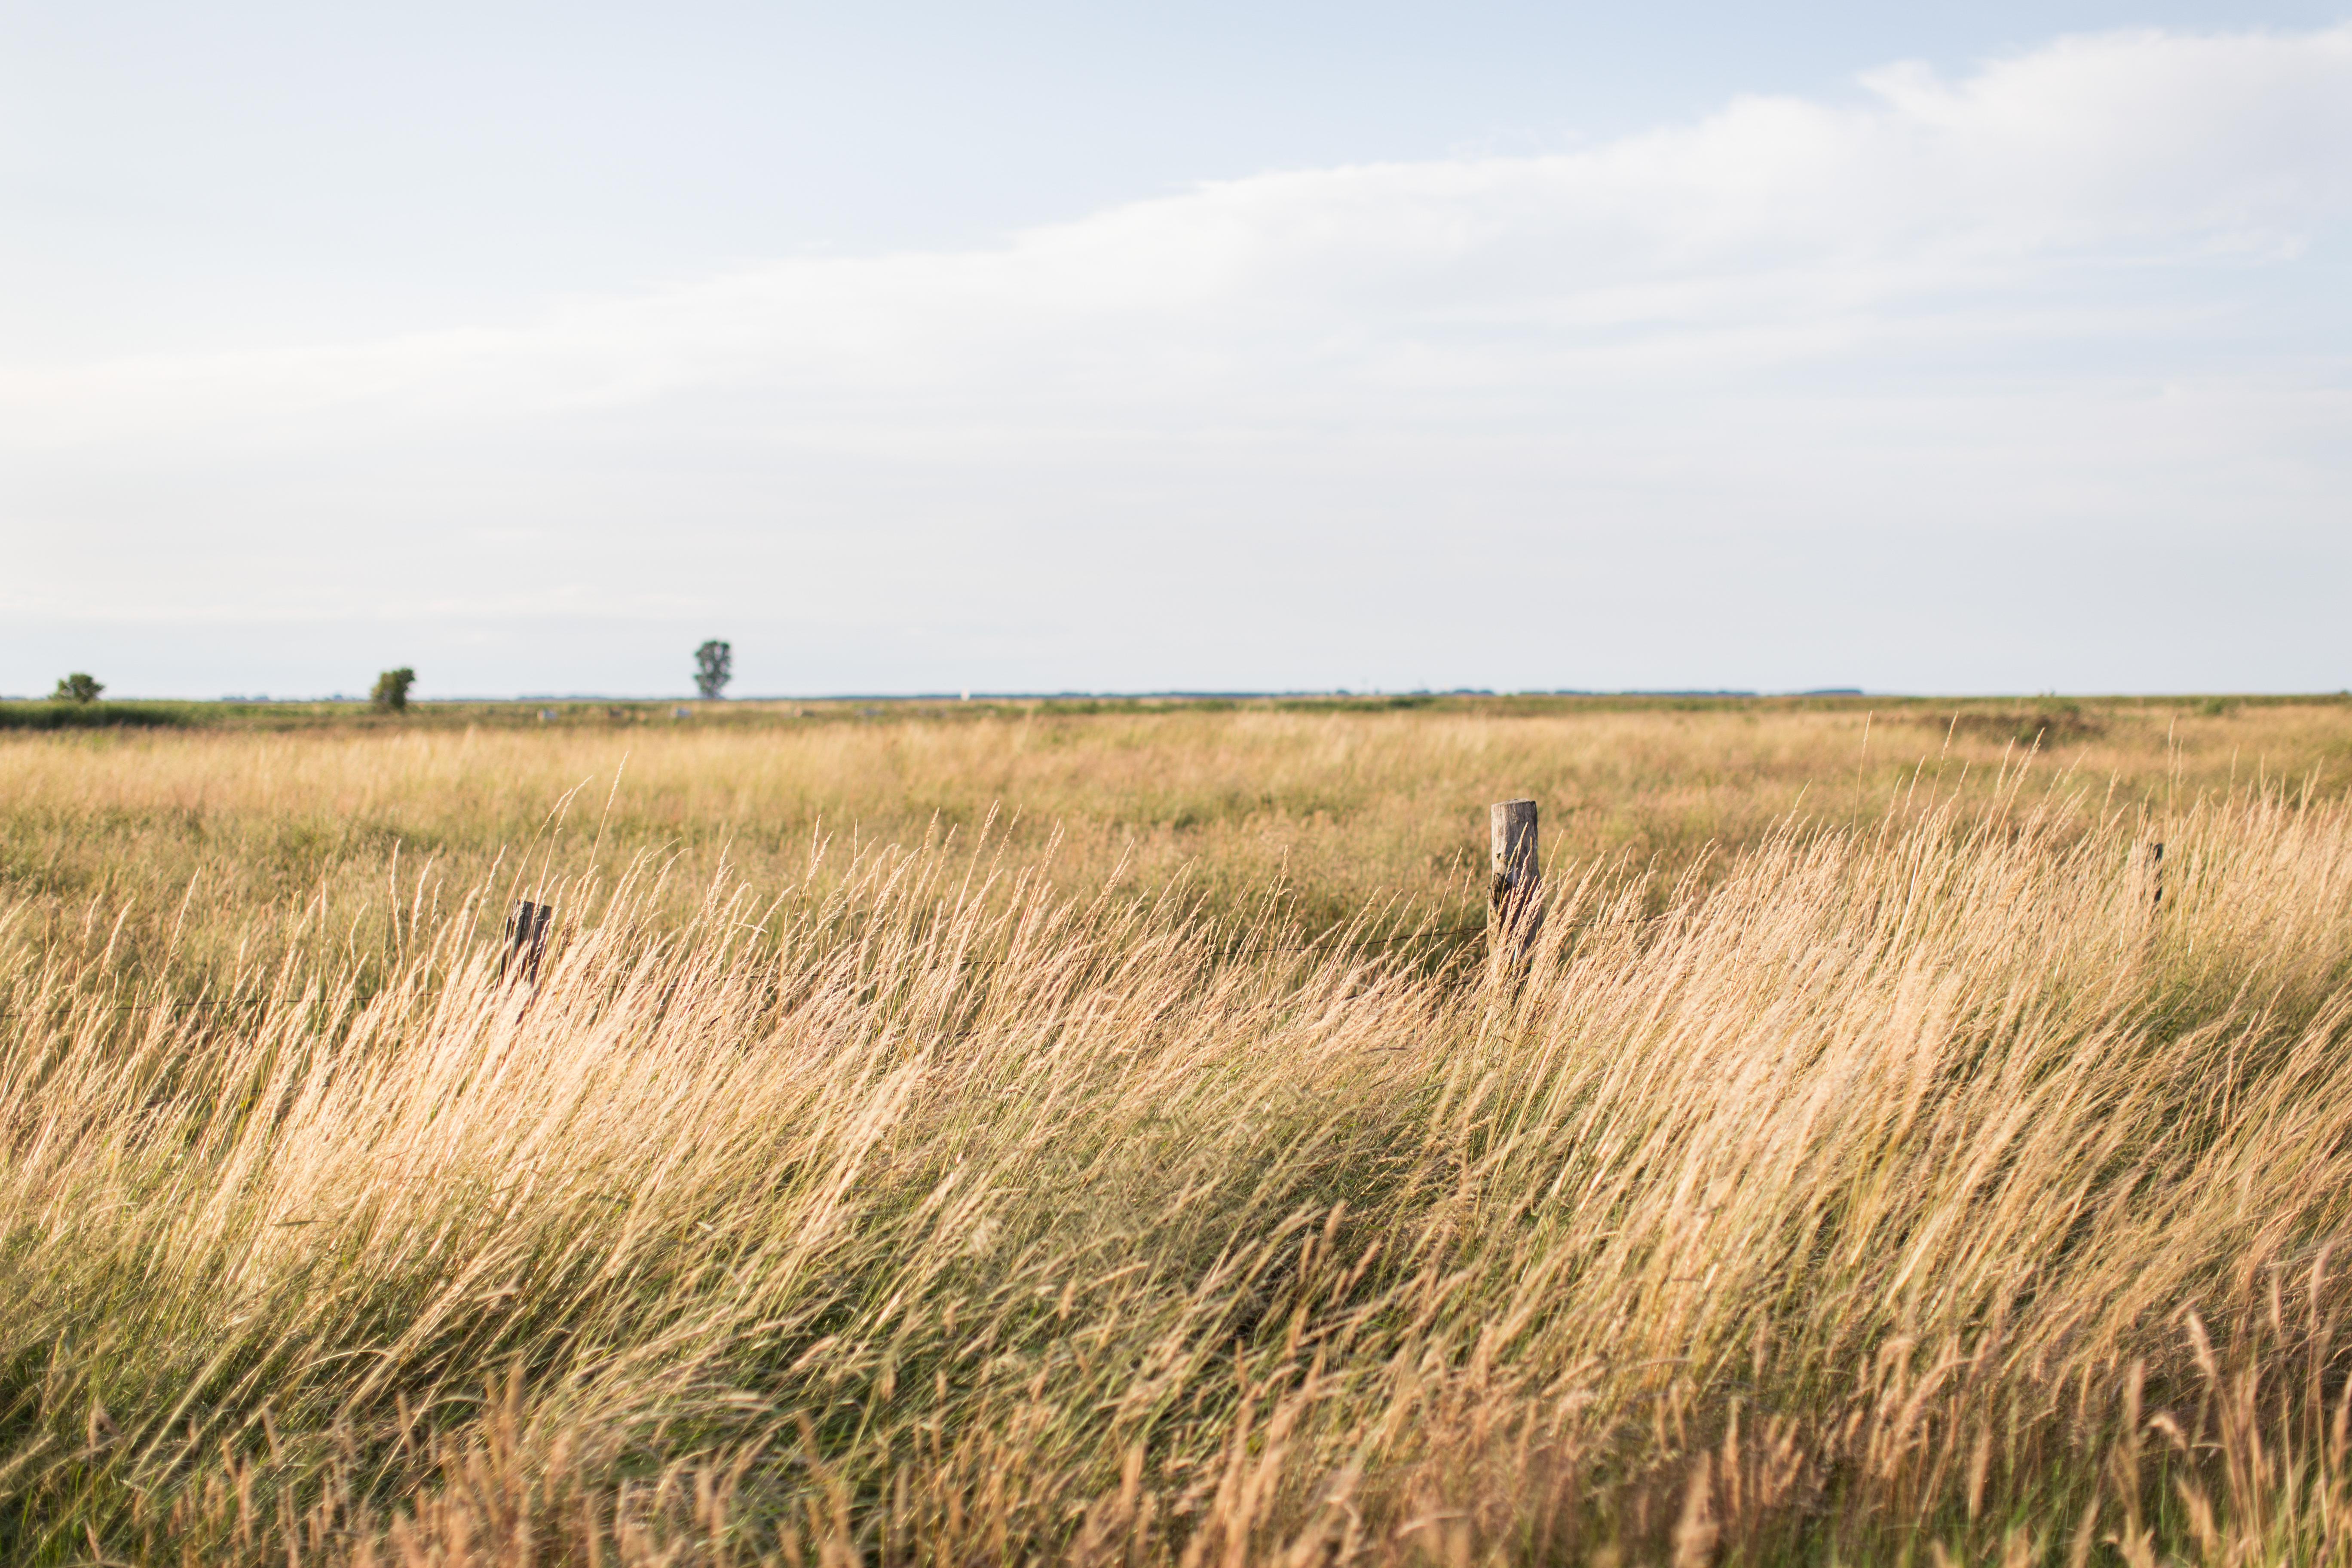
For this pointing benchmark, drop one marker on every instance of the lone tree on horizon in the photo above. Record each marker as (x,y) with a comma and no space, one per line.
(391,694)
(78,686)
(714,666)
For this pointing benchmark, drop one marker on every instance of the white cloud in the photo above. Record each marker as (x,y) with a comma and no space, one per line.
(1996,299)
(2116,149)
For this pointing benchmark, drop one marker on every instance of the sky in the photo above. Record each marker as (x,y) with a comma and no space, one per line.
(910,348)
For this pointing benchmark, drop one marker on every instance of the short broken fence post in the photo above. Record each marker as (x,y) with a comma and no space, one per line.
(526,940)
(1515,910)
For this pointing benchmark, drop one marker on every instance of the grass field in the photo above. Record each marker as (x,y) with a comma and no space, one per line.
(1009,1132)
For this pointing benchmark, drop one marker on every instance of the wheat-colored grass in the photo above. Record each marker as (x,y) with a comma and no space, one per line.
(1903,1182)
(208,838)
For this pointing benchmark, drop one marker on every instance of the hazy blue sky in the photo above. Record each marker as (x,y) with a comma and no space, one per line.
(919,348)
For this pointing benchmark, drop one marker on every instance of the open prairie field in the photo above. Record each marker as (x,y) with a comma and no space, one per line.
(955,1133)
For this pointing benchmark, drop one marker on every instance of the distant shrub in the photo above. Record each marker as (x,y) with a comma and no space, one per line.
(391,694)
(2047,724)
(69,715)
(78,686)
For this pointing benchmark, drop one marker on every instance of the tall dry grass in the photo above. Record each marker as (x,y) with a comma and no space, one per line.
(1914,1189)
(213,840)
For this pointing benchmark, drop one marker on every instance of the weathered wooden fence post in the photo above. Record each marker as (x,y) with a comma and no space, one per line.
(2144,889)
(1515,908)
(526,939)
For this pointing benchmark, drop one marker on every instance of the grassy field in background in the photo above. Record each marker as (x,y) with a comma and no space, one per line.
(1006,1132)
(217,830)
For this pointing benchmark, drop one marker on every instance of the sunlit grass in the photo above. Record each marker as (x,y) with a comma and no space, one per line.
(1904,1180)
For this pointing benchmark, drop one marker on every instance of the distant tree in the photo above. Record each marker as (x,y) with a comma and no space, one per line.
(714,666)
(391,694)
(78,687)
